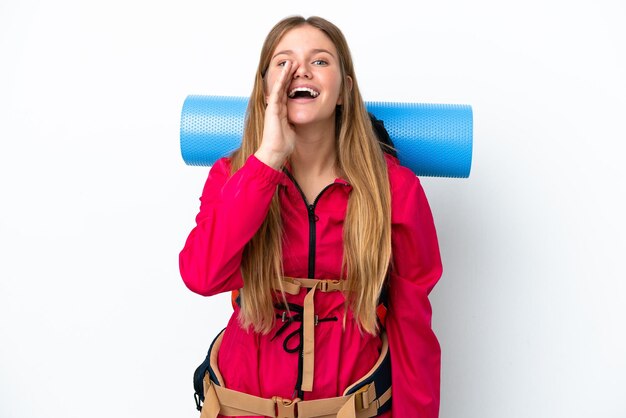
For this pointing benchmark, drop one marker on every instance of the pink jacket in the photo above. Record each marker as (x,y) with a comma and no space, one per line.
(231,211)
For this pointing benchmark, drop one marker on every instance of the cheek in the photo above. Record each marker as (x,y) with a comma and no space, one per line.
(337,88)
(268,83)
(267,87)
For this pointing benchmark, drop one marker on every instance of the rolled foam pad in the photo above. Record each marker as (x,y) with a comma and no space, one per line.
(430,139)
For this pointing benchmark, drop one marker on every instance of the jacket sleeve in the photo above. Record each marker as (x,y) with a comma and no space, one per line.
(416,268)
(232,209)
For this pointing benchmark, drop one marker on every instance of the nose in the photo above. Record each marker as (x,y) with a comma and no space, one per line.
(302,71)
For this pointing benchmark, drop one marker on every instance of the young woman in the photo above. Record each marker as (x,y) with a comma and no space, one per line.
(310,221)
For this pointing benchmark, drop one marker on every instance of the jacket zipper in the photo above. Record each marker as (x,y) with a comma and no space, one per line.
(311,268)
(310,208)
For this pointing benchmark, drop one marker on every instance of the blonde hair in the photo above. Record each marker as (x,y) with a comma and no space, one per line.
(367,227)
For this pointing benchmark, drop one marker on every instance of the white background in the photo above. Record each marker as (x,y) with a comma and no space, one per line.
(96,201)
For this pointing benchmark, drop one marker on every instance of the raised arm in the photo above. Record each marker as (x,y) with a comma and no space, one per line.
(232,209)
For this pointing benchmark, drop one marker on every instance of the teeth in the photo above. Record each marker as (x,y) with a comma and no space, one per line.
(312,92)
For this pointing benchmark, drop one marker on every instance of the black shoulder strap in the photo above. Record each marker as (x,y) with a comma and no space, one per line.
(383,136)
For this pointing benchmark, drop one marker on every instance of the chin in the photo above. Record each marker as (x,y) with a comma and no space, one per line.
(298,118)
(306,118)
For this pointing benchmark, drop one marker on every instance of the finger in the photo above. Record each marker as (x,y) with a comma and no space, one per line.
(279,88)
(293,67)
(285,81)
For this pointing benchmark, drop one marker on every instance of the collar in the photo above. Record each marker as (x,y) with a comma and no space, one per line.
(288,177)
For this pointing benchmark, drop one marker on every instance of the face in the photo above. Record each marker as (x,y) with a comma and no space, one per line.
(315,88)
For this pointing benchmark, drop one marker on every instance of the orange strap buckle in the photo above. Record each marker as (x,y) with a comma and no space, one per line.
(286,408)
(329,285)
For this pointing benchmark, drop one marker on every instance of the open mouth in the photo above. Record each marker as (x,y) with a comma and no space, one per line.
(303,93)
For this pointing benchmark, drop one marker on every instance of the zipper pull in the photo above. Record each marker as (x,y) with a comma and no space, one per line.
(312,215)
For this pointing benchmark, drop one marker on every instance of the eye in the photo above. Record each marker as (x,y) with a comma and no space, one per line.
(320,62)
(281,63)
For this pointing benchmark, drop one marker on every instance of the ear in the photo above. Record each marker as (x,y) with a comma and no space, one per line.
(349,85)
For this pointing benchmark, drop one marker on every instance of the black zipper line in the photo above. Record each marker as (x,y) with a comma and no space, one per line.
(310,208)
(311,270)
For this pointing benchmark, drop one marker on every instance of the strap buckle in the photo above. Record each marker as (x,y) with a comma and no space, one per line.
(329,285)
(286,408)
(364,397)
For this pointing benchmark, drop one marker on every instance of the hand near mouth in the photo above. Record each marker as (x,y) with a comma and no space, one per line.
(278,134)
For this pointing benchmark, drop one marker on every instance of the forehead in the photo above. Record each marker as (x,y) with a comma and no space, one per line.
(304,38)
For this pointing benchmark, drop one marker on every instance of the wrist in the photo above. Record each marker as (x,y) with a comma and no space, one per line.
(274,159)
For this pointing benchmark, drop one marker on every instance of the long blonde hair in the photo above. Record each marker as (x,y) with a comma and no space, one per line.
(367,227)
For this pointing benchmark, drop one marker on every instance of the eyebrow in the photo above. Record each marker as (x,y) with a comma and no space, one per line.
(315,51)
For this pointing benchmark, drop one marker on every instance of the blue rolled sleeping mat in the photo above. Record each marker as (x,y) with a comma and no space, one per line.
(431,139)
